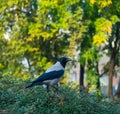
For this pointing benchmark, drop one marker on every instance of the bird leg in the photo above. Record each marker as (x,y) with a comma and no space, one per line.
(61,98)
(47,88)
(57,90)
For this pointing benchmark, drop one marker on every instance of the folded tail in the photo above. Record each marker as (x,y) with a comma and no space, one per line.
(29,85)
(33,84)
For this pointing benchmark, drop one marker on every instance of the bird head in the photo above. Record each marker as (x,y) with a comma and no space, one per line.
(64,60)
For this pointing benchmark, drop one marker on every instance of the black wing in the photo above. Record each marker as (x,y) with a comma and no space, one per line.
(47,76)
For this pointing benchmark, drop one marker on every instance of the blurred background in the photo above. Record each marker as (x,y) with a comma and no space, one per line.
(35,33)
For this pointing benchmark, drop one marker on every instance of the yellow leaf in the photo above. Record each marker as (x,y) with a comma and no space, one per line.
(99,39)
(104,3)
(30,39)
(92,1)
(33,49)
(1,66)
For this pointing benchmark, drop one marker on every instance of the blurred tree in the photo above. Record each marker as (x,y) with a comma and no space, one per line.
(89,55)
(37,32)
(102,23)
(107,28)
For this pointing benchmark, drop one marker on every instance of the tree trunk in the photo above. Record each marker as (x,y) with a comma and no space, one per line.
(110,74)
(98,81)
(114,51)
(81,80)
(117,94)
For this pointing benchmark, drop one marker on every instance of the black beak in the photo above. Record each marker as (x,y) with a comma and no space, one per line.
(69,59)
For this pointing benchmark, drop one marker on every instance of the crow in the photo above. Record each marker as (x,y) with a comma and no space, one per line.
(52,76)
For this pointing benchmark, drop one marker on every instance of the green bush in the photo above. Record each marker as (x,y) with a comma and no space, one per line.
(16,99)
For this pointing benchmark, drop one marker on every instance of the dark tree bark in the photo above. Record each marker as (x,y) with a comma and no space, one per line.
(98,81)
(114,49)
(81,80)
(117,94)
(110,74)
(81,75)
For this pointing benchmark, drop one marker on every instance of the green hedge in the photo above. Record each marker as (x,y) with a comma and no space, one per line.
(15,99)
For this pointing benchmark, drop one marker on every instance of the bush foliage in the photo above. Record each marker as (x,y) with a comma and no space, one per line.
(15,99)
